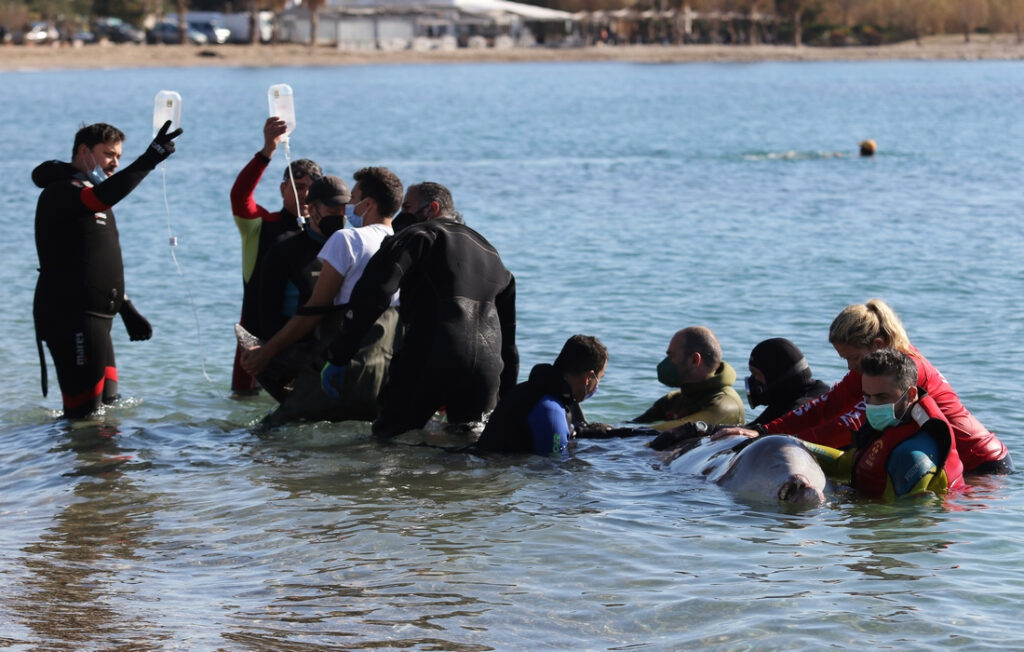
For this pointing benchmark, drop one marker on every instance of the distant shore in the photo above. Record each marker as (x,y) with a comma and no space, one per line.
(945,47)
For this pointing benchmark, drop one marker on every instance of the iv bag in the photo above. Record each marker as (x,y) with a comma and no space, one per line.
(282,105)
(166,106)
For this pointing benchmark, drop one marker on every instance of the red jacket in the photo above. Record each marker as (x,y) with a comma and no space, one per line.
(832,419)
(870,474)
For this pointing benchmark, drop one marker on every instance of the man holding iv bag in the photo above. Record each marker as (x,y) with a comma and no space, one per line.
(81,274)
(260,228)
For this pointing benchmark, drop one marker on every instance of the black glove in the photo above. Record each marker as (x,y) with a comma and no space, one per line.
(604,431)
(138,327)
(162,145)
(674,437)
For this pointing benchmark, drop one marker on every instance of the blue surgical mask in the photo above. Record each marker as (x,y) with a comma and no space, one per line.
(883,416)
(593,391)
(350,214)
(96,175)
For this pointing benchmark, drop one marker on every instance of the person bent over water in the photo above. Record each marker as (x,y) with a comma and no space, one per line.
(285,360)
(458,310)
(542,414)
(81,274)
(832,419)
(906,447)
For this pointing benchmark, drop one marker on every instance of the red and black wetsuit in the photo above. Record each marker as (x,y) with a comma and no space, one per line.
(81,277)
(259,229)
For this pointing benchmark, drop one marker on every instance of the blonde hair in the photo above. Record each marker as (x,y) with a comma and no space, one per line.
(860,324)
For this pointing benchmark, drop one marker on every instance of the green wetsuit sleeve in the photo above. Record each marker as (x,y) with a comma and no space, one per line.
(249,229)
(721,411)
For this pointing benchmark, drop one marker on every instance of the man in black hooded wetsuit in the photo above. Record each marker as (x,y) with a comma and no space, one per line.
(780,379)
(81,275)
(457,304)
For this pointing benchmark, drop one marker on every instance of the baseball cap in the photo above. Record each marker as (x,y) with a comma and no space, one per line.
(330,190)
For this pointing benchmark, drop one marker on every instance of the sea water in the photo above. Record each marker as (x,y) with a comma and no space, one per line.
(629,201)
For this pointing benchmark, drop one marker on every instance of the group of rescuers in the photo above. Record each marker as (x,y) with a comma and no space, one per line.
(400,316)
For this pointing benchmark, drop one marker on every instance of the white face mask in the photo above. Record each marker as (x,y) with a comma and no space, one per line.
(350,214)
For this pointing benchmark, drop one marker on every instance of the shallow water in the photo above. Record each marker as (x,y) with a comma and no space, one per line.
(630,201)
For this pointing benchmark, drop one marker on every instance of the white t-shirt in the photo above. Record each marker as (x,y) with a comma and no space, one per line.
(348,251)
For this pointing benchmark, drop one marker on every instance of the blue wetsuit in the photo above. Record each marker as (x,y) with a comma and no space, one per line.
(549,427)
(911,461)
(538,416)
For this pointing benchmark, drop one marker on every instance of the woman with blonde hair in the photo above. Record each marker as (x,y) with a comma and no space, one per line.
(832,419)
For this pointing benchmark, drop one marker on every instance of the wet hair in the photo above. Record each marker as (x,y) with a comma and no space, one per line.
(94,134)
(383,186)
(860,324)
(430,191)
(304,167)
(893,363)
(699,339)
(581,353)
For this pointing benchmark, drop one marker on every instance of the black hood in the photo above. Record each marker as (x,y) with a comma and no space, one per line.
(52,171)
(548,380)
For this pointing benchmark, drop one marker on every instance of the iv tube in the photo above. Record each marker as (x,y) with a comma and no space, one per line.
(167,106)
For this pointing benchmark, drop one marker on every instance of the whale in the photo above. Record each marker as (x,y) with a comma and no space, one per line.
(770,468)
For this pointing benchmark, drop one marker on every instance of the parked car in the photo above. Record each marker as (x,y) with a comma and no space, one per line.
(37,33)
(116,30)
(214,31)
(168,33)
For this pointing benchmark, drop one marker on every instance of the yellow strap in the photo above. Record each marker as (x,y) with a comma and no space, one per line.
(834,462)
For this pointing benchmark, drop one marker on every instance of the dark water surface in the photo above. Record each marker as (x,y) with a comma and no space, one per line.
(630,201)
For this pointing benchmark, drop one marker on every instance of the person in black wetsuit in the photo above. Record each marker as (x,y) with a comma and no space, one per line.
(780,379)
(291,266)
(81,274)
(457,305)
(541,415)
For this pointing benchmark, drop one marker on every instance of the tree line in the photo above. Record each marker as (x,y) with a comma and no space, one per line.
(833,22)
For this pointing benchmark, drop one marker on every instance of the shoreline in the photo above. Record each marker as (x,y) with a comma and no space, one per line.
(999,47)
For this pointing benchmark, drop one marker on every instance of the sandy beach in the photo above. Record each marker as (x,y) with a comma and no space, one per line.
(944,47)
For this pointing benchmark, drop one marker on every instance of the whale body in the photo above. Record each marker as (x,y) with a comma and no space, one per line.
(772,468)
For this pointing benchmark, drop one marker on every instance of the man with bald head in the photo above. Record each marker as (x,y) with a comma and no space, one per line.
(701,381)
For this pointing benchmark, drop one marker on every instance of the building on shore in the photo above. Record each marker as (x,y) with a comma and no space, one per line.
(429,25)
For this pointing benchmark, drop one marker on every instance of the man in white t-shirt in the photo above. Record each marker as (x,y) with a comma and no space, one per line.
(376,196)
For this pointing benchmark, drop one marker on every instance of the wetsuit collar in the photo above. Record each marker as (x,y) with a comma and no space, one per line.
(724,376)
(316,237)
